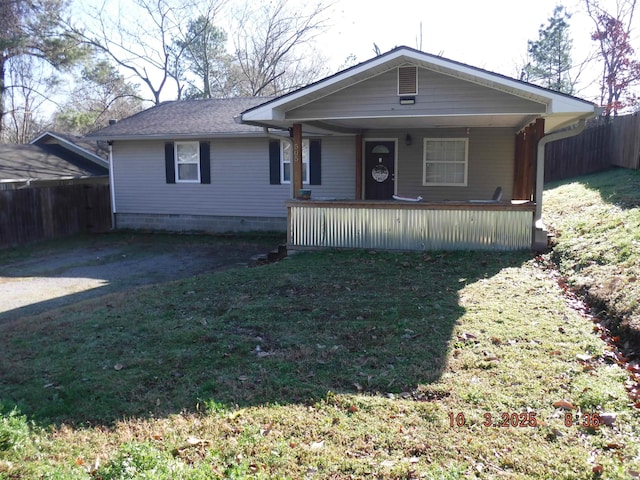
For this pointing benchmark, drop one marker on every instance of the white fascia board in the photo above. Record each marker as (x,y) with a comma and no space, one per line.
(74,148)
(555,102)
(274,111)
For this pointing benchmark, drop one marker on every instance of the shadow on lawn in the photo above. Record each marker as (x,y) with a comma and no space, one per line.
(618,186)
(344,322)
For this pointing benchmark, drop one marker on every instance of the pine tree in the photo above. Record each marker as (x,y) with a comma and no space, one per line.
(550,55)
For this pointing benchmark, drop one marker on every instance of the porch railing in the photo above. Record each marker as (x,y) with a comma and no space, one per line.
(410,226)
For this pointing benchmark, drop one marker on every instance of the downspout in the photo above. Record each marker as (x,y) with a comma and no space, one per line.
(112,188)
(287,139)
(540,229)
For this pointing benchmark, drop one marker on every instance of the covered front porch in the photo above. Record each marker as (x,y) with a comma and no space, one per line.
(398,225)
(424,128)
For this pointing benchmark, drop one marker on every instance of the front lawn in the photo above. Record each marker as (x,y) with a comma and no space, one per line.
(325,365)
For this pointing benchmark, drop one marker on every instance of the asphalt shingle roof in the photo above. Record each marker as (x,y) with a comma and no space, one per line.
(185,118)
(44,162)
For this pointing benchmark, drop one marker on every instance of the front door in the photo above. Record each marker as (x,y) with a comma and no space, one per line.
(379,169)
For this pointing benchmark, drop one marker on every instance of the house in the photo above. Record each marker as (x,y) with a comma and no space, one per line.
(400,152)
(51,158)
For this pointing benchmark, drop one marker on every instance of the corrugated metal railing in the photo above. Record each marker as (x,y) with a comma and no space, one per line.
(409,229)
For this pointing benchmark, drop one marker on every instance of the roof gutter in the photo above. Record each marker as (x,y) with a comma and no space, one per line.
(112,188)
(552,137)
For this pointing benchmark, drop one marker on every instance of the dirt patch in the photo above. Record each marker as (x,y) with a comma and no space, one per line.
(50,275)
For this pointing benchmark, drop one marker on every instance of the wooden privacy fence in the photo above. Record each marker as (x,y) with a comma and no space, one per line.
(624,144)
(39,213)
(602,145)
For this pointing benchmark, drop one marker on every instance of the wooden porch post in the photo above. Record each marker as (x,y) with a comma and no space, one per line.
(524,182)
(537,134)
(518,168)
(358,167)
(297,159)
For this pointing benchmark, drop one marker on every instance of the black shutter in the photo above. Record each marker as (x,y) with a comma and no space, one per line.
(315,169)
(169,162)
(274,162)
(205,162)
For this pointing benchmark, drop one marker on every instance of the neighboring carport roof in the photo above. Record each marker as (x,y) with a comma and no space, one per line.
(561,110)
(185,119)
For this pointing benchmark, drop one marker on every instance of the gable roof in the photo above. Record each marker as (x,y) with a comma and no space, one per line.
(45,162)
(92,150)
(185,119)
(560,110)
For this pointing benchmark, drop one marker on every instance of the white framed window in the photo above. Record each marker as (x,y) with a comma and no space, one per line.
(445,162)
(187,155)
(286,160)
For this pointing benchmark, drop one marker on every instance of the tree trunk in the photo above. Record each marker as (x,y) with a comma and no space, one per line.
(3,89)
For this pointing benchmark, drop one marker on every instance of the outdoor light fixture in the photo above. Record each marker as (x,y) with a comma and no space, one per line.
(407,100)
(408,140)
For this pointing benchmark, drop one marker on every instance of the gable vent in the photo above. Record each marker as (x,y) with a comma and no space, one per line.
(407,80)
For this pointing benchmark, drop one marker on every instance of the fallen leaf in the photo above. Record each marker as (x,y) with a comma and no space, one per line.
(564,404)
(196,441)
(353,409)
(614,446)
(157,437)
(79,461)
(608,419)
(555,352)
(597,469)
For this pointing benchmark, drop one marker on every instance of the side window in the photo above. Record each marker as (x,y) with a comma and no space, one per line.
(187,157)
(286,160)
(281,157)
(187,162)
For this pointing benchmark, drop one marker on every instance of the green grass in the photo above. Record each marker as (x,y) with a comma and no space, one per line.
(370,365)
(597,223)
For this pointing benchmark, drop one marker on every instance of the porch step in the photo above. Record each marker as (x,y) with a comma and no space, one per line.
(273,256)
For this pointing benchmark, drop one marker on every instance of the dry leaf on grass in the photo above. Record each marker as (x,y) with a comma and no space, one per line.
(564,404)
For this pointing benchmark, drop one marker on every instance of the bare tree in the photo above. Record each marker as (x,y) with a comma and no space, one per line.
(30,80)
(620,69)
(143,45)
(31,32)
(274,45)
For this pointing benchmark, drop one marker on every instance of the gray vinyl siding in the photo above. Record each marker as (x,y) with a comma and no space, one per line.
(239,179)
(438,94)
(490,163)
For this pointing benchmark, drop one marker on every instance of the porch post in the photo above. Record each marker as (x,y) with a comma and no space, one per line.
(358,167)
(297,159)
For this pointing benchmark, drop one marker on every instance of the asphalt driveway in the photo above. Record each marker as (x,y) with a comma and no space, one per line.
(49,275)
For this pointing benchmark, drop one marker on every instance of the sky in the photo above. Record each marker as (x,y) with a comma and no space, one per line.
(490,34)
